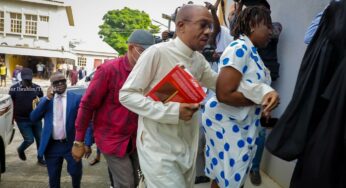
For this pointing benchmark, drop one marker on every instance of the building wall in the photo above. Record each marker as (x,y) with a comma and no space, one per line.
(53,35)
(50,37)
(295,16)
(90,61)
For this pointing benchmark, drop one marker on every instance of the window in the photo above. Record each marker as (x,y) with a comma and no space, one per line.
(81,61)
(2,21)
(43,26)
(44,18)
(16,22)
(30,24)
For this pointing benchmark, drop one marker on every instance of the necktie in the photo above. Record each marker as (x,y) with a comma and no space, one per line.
(59,127)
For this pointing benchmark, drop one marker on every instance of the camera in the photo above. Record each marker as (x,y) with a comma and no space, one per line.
(208,53)
(166,35)
(170,34)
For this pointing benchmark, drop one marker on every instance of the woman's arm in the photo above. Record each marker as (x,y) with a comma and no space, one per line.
(227,85)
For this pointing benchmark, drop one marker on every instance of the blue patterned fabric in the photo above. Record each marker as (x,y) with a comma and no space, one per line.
(230,137)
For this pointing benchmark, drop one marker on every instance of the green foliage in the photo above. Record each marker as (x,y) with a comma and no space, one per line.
(119,24)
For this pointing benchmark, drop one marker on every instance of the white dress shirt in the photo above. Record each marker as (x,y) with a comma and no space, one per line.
(55,115)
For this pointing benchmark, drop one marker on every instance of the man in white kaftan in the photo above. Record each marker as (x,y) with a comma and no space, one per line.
(166,141)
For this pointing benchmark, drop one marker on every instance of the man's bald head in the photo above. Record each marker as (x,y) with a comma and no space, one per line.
(188,11)
(194,24)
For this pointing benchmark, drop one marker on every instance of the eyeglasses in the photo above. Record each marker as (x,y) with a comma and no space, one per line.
(203,24)
(59,82)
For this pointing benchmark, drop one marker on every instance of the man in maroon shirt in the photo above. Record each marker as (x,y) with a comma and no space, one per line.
(115,127)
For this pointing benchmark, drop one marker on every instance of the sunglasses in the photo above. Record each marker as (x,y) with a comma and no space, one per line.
(59,82)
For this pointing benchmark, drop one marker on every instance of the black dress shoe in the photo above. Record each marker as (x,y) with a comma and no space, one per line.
(255,178)
(202,179)
(41,162)
(21,155)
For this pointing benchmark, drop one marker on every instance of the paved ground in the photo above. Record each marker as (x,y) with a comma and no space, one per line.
(28,174)
(266,183)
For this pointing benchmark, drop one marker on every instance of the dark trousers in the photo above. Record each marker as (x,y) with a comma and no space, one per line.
(55,154)
(31,131)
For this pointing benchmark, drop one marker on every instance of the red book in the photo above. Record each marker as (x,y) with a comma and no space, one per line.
(178,86)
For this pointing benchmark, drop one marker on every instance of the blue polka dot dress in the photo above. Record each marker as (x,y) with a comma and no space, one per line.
(230,131)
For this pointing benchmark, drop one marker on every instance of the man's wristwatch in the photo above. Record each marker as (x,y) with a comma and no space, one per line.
(78,144)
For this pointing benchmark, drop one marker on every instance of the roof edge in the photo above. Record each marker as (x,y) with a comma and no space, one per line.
(46,2)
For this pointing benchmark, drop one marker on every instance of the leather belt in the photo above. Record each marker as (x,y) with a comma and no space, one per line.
(61,140)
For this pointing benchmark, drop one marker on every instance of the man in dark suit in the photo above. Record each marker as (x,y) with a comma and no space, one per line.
(59,110)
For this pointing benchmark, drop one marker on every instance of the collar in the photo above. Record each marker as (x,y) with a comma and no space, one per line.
(127,64)
(183,47)
(62,95)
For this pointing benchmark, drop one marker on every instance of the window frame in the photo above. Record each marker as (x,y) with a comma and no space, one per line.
(31,24)
(81,61)
(44,18)
(16,22)
(2,21)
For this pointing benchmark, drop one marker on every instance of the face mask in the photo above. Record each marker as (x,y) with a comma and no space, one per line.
(139,53)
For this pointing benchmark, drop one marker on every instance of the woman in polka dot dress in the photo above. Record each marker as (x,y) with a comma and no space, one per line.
(231,118)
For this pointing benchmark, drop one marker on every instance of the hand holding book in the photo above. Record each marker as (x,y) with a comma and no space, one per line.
(186,110)
(178,86)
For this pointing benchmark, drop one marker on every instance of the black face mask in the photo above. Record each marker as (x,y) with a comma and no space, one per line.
(208,53)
